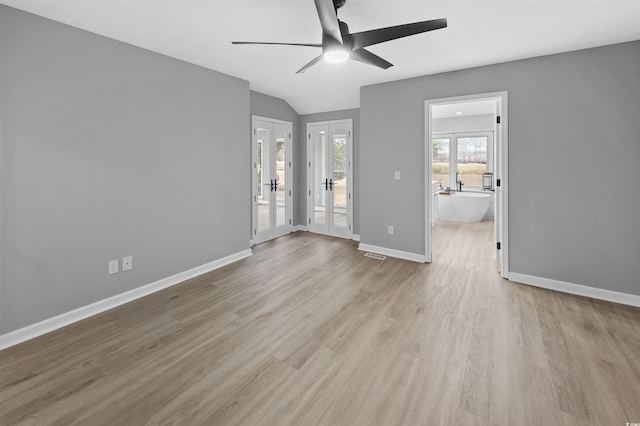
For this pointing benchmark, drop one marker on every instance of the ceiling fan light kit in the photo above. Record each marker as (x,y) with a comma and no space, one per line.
(339,45)
(336,56)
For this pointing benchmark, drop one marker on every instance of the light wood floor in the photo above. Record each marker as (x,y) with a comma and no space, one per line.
(309,331)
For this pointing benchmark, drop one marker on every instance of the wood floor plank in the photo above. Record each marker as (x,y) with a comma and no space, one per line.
(297,392)
(308,331)
(437,389)
(622,323)
(566,379)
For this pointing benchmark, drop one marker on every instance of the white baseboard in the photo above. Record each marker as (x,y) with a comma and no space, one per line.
(393,253)
(34,330)
(299,228)
(355,237)
(578,289)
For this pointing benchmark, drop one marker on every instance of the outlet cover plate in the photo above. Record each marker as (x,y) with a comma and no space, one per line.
(127,263)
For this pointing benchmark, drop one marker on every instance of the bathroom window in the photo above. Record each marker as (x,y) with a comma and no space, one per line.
(440,164)
(473,157)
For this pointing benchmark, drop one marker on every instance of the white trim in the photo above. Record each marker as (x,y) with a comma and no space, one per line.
(502,132)
(34,330)
(578,289)
(428,182)
(355,237)
(299,228)
(414,257)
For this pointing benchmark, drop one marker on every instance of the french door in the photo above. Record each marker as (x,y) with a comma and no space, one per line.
(329,178)
(272,177)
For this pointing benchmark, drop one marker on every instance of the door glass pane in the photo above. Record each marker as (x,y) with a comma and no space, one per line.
(472,159)
(264,179)
(440,163)
(340,179)
(319,168)
(281,180)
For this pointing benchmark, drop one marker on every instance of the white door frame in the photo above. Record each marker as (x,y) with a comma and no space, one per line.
(501,168)
(288,227)
(310,204)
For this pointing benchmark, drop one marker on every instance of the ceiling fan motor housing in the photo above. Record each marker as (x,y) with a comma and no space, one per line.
(329,43)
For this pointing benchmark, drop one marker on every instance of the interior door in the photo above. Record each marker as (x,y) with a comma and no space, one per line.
(272,191)
(330,178)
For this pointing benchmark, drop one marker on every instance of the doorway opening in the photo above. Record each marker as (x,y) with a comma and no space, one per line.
(466,171)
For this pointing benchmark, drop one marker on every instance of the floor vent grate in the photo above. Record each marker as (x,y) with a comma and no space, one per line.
(375,256)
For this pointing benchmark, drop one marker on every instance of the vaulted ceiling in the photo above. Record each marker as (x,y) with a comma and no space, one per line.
(479,32)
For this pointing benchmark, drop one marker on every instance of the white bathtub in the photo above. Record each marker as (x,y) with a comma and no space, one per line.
(463,206)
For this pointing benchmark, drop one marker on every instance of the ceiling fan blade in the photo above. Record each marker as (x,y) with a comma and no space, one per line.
(363,55)
(278,44)
(328,20)
(368,38)
(309,65)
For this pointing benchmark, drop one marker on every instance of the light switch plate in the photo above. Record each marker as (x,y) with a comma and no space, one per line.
(113,267)
(397,175)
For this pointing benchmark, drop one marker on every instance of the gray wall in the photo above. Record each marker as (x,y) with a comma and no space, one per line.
(109,150)
(272,107)
(573,162)
(301,158)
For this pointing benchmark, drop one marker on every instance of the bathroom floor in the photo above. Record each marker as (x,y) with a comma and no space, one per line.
(470,243)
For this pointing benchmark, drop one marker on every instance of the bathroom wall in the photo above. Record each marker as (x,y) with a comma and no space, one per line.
(482,122)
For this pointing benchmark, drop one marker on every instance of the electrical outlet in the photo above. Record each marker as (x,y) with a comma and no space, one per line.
(127,263)
(113,267)
(390,230)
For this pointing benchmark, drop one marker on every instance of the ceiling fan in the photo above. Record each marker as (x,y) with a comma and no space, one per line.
(338,44)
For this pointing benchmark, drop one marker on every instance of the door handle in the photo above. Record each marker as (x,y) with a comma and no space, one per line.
(276,184)
(331,184)
(326,184)
(271,185)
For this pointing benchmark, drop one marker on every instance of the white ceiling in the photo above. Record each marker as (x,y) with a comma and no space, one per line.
(479,32)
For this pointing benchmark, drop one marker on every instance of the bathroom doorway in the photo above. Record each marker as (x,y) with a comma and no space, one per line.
(466,167)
